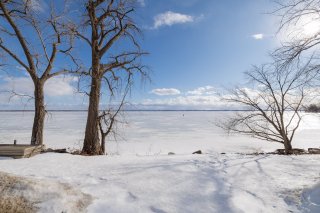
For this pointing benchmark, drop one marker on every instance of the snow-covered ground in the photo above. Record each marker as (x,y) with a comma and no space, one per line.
(140,176)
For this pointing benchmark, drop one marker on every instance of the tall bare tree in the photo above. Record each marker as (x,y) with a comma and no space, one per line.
(38,38)
(274,103)
(112,37)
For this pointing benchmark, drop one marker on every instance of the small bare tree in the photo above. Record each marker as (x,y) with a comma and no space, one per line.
(33,39)
(112,37)
(109,118)
(274,104)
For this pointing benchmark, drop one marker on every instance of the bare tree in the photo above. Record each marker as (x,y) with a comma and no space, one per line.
(111,35)
(38,38)
(297,17)
(274,104)
(109,118)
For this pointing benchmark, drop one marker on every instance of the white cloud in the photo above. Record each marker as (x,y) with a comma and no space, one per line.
(21,68)
(59,93)
(258,36)
(21,85)
(142,3)
(201,98)
(165,91)
(205,97)
(186,102)
(207,90)
(195,100)
(37,5)
(60,86)
(170,18)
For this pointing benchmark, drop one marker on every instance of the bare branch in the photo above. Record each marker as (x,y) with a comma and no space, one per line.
(18,33)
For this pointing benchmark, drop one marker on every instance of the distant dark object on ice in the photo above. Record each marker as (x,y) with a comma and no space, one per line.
(197,152)
(171,153)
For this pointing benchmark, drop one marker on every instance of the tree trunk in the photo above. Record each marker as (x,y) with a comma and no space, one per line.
(287,146)
(39,114)
(91,145)
(103,143)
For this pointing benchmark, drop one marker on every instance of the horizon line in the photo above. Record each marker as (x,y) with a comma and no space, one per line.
(128,110)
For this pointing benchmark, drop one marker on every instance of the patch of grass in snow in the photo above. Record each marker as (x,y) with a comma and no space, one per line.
(16,205)
(22,195)
(11,198)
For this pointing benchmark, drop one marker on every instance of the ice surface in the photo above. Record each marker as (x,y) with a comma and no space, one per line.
(149,133)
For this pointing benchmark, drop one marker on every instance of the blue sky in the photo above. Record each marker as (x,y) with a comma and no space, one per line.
(196,48)
(209,46)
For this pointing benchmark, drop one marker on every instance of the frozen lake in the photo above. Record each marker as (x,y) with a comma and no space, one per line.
(152,132)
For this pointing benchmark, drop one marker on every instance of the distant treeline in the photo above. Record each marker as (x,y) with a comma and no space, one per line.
(313,108)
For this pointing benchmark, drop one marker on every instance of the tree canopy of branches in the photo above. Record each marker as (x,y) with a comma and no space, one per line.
(112,37)
(296,16)
(274,103)
(40,39)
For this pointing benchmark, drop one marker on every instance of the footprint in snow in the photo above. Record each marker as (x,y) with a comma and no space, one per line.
(131,197)
(156,210)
